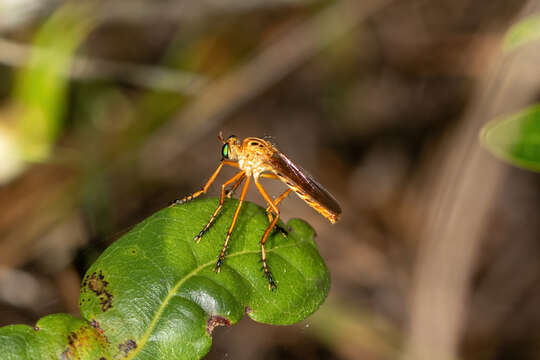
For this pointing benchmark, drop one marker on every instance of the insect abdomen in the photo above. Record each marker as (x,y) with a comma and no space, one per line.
(330,215)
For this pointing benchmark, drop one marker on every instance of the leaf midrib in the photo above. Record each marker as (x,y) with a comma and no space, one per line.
(174,289)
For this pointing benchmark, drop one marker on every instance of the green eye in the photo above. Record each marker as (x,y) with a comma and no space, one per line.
(225,151)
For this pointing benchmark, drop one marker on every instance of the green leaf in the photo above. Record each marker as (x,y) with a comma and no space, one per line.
(58,336)
(523,32)
(41,86)
(515,138)
(153,294)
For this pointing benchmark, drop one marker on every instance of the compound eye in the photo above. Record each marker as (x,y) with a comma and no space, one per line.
(225,151)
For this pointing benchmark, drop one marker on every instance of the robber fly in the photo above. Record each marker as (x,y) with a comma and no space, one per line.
(257,158)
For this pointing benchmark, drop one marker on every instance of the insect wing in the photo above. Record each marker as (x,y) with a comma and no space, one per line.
(285,167)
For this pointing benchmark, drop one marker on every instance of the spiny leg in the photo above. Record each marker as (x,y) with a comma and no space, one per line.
(236,179)
(279,198)
(235,217)
(271,283)
(276,202)
(206,186)
(229,193)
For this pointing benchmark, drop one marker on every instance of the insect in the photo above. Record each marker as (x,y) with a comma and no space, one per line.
(257,158)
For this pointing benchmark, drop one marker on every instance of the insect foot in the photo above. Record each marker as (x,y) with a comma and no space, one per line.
(281,229)
(217,268)
(174,202)
(271,284)
(199,236)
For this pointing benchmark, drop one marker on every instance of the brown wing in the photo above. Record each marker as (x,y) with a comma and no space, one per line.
(284,167)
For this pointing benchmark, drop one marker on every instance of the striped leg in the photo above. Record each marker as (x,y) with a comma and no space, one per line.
(206,186)
(269,212)
(229,193)
(236,179)
(267,273)
(235,217)
(276,201)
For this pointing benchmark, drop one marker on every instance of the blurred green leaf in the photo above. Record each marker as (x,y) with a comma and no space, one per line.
(41,86)
(523,32)
(515,138)
(153,294)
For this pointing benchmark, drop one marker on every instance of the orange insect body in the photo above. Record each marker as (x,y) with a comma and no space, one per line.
(256,158)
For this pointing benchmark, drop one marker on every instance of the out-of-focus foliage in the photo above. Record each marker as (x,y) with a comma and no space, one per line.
(515,138)
(372,97)
(154,292)
(523,32)
(40,91)
(33,122)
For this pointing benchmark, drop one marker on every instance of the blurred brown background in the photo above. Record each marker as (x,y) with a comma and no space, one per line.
(437,255)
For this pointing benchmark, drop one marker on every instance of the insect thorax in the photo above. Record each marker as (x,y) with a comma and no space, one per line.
(253,160)
(252,165)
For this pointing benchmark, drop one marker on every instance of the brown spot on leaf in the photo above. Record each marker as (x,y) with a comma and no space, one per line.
(36,328)
(216,321)
(248,310)
(66,354)
(126,347)
(97,284)
(72,338)
(80,340)
(95,324)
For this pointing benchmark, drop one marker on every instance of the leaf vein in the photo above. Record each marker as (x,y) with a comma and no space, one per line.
(180,282)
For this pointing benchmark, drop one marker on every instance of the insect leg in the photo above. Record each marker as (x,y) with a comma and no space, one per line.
(206,186)
(236,179)
(271,283)
(269,176)
(281,197)
(229,193)
(235,217)
(276,202)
